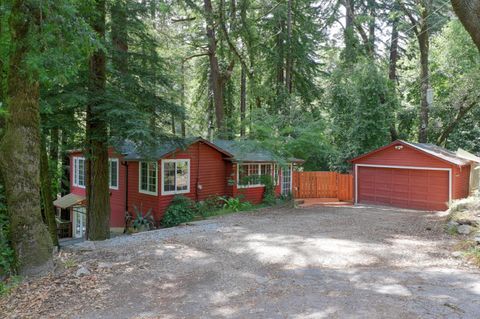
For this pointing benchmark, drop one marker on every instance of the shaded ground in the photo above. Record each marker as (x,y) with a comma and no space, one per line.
(342,262)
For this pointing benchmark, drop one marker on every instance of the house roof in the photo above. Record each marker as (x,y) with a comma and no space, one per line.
(248,151)
(430,149)
(134,151)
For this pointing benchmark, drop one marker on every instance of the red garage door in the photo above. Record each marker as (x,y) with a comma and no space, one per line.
(408,188)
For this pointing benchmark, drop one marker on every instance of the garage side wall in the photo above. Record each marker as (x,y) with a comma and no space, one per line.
(461,182)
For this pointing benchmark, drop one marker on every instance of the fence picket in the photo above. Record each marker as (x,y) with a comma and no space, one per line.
(323,185)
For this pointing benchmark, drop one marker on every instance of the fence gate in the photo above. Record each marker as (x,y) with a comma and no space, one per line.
(323,185)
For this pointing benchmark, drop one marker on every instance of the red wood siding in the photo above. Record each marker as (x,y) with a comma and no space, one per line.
(407,156)
(207,169)
(461,182)
(210,175)
(408,188)
(435,183)
(117,197)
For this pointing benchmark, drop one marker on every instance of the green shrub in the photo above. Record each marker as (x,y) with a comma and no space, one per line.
(209,206)
(269,196)
(235,204)
(181,210)
(7,255)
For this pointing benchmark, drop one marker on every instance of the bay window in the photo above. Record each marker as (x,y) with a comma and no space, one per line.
(250,175)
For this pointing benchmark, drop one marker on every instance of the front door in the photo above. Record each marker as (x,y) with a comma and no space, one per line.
(79,222)
(287,180)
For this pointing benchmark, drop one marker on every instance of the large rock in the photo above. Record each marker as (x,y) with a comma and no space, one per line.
(82,271)
(477,238)
(464,229)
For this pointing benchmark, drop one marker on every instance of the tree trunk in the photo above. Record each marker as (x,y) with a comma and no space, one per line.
(182,101)
(53,150)
(243,100)
(349,54)
(98,195)
(47,197)
(65,179)
(372,6)
(215,74)
(424,45)
(20,148)
(289,62)
(468,11)
(392,67)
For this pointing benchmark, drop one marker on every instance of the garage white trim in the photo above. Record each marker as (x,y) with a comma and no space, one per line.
(449,170)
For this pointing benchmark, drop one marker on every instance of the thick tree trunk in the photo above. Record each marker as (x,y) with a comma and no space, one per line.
(424,45)
(47,197)
(98,195)
(20,149)
(215,73)
(468,11)
(243,100)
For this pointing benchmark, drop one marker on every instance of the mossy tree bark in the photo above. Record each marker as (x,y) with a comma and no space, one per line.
(47,197)
(20,148)
(98,195)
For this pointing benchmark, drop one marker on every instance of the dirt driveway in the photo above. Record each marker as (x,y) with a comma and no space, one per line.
(361,262)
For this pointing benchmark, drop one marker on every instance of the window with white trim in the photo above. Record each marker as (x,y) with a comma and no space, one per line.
(113,173)
(175,176)
(79,172)
(250,175)
(148,178)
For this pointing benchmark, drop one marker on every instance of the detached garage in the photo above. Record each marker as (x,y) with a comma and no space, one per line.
(411,175)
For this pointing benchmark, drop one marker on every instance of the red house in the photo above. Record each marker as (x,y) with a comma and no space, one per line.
(412,175)
(199,169)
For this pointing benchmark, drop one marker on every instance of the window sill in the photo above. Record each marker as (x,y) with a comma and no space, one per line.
(148,193)
(175,192)
(250,186)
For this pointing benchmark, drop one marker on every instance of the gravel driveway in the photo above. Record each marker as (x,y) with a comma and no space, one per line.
(339,262)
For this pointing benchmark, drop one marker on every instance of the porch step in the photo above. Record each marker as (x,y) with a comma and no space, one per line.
(309,202)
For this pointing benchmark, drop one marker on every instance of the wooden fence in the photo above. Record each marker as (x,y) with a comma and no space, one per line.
(323,185)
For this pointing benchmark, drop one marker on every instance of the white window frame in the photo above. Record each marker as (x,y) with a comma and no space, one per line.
(273,168)
(174,192)
(110,174)
(140,190)
(75,175)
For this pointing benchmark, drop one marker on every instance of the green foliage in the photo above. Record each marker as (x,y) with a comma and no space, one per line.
(362,104)
(141,221)
(181,210)
(209,206)
(235,204)
(7,255)
(9,284)
(269,196)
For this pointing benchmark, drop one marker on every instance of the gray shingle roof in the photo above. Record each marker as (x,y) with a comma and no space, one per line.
(440,152)
(241,151)
(136,151)
(249,151)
